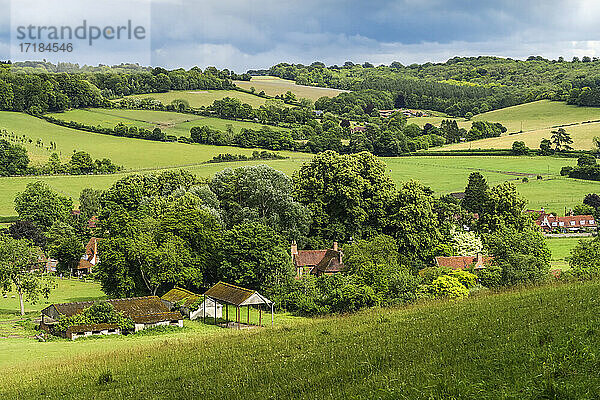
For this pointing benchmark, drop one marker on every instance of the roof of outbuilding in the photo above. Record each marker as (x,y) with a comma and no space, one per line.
(235,295)
(178,294)
(149,309)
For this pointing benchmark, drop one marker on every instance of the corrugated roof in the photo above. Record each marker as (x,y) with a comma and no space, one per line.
(149,309)
(178,294)
(235,295)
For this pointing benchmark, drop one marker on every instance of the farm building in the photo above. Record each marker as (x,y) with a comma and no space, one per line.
(145,312)
(188,304)
(317,262)
(460,262)
(90,259)
(239,297)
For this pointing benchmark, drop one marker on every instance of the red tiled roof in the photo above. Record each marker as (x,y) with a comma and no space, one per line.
(329,264)
(84,264)
(570,221)
(306,258)
(459,262)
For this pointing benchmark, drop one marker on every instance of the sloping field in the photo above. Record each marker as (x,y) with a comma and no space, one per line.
(274,86)
(541,343)
(537,120)
(197,98)
(582,135)
(171,123)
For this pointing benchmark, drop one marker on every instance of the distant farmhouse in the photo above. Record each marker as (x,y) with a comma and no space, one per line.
(188,303)
(406,112)
(90,259)
(569,223)
(317,262)
(460,262)
(144,311)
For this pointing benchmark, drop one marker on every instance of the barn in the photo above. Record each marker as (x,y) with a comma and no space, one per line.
(188,303)
(145,312)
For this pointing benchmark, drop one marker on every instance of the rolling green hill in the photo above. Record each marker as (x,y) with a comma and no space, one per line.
(274,86)
(540,343)
(553,192)
(197,98)
(171,123)
(538,119)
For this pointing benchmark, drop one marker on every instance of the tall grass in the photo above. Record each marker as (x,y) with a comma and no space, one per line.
(529,344)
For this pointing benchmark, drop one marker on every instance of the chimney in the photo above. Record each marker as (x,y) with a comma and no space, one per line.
(294,248)
(335,246)
(479,260)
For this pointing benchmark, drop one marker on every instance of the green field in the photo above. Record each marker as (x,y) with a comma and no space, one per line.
(171,123)
(561,249)
(442,174)
(197,98)
(540,343)
(537,120)
(274,86)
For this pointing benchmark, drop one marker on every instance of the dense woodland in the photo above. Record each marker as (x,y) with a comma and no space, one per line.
(40,92)
(460,86)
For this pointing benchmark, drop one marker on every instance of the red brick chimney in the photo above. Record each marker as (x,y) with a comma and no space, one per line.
(335,246)
(294,249)
(479,262)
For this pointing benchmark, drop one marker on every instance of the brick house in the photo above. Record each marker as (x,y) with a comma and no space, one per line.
(90,259)
(569,223)
(317,262)
(463,262)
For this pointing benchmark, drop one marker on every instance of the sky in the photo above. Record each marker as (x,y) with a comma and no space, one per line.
(254,34)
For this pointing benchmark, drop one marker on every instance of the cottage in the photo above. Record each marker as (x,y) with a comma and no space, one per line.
(90,259)
(317,262)
(569,223)
(188,304)
(356,129)
(145,312)
(463,262)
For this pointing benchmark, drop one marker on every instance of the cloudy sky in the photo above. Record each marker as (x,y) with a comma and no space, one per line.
(243,34)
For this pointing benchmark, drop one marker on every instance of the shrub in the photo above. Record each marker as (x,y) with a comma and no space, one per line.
(490,277)
(525,179)
(429,274)
(402,287)
(448,286)
(466,278)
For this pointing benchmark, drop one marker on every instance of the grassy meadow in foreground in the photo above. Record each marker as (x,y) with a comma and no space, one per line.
(525,344)
(274,86)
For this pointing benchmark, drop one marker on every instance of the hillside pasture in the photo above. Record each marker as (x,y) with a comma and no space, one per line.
(582,135)
(274,86)
(537,119)
(198,98)
(537,343)
(171,123)
(561,249)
